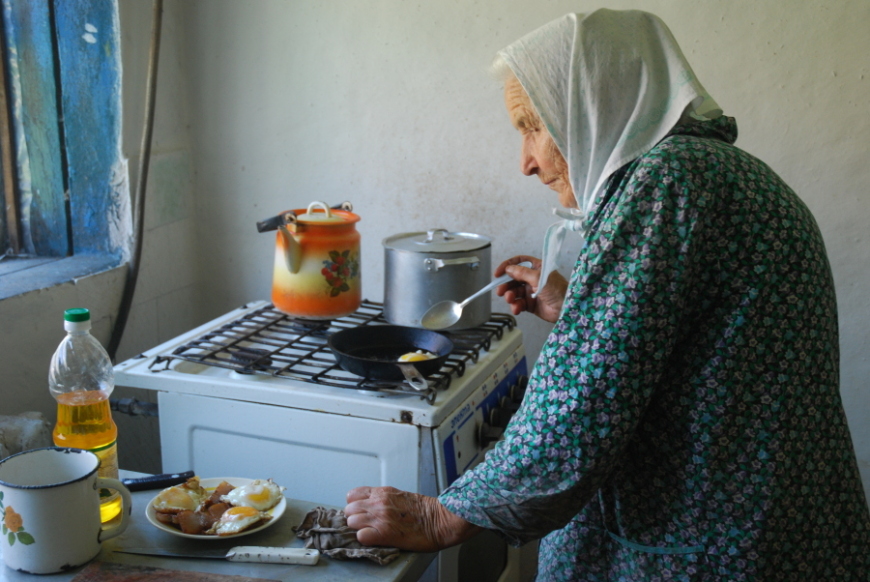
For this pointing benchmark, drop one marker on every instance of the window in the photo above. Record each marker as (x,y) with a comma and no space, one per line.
(64,180)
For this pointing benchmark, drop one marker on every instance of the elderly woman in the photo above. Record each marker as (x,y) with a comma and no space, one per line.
(683,421)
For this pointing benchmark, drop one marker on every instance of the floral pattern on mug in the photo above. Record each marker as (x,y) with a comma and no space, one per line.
(338,270)
(13,525)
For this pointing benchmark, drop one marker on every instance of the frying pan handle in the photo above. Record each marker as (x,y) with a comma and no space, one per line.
(413,376)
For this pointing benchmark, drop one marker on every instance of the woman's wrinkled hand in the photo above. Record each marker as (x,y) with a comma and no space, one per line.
(518,293)
(385,516)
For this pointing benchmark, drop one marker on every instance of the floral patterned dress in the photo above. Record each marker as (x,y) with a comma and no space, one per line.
(684,421)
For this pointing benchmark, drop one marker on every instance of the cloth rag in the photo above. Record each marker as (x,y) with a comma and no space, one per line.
(326,530)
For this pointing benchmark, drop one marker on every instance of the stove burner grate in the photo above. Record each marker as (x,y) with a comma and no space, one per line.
(267,341)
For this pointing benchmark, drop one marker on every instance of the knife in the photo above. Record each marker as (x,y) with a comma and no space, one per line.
(157,481)
(260,554)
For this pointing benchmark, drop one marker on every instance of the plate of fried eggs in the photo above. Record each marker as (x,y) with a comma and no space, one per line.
(217,508)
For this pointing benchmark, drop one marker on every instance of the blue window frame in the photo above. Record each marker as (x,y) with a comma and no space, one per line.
(69,194)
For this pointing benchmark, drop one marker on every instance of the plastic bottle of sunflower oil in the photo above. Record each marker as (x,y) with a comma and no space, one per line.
(81,378)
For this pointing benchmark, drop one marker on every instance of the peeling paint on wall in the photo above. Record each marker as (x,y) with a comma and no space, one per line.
(119,215)
(88,39)
(72,183)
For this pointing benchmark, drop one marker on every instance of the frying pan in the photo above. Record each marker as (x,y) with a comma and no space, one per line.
(373,352)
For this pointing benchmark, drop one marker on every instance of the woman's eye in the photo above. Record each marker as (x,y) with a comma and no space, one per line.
(525,128)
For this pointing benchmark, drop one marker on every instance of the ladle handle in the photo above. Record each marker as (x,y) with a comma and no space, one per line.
(495,283)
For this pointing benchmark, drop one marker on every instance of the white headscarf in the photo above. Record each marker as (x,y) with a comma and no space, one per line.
(608,86)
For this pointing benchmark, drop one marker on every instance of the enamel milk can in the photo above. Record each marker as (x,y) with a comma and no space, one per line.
(316,271)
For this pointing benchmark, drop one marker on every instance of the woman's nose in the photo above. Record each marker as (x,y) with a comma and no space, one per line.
(528,163)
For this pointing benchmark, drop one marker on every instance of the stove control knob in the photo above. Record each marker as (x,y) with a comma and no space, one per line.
(488,434)
(499,417)
(509,406)
(518,390)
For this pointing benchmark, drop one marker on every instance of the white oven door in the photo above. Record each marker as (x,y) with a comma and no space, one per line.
(317,456)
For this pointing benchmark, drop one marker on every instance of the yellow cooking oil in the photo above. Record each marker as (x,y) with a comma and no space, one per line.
(84,421)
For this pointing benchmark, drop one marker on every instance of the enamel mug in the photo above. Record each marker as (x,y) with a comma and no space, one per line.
(50,509)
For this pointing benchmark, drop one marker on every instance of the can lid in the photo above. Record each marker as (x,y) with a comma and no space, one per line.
(321,213)
(437,240)
(77,314)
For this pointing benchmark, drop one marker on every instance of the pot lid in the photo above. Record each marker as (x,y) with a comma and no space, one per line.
(437,240)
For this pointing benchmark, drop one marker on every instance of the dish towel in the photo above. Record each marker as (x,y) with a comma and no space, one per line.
(326,530)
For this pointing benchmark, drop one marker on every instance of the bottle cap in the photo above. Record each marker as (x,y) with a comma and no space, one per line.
(77,314)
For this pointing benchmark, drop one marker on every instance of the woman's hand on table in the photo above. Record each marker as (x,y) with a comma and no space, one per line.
(385,516)
(518,293)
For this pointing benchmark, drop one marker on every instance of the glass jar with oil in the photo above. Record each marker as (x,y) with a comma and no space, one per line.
(81,378)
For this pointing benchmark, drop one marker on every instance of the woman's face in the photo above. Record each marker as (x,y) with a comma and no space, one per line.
(539,154)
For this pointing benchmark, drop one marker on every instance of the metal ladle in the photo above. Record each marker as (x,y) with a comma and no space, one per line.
(445,313)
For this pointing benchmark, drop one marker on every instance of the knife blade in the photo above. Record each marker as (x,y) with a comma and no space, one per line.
(157,481)
(256,554)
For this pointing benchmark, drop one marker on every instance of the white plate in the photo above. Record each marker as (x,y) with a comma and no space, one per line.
(210,485)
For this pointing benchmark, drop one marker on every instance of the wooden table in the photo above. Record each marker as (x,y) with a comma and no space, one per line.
(408,567)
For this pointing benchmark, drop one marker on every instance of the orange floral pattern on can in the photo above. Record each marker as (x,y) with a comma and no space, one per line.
(339,270)
(12,520)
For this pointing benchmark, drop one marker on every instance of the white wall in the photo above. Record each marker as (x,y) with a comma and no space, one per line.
(267,105)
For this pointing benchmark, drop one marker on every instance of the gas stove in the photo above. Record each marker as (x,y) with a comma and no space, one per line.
(258,394)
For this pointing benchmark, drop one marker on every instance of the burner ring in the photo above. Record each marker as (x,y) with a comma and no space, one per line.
(251,358)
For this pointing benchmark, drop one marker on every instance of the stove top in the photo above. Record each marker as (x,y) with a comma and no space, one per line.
(258,354)
(267,341)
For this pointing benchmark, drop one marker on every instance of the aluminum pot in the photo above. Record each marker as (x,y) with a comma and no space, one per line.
(423,268)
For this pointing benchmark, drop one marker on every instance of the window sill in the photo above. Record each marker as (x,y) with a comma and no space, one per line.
(19,276)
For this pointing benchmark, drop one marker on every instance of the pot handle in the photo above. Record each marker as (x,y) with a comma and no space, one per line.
(430,234)
(276,222)
(414,377)
(438,264)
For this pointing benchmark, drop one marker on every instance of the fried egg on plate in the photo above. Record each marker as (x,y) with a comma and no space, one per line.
(187,496)
(236,520)
(259,494)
